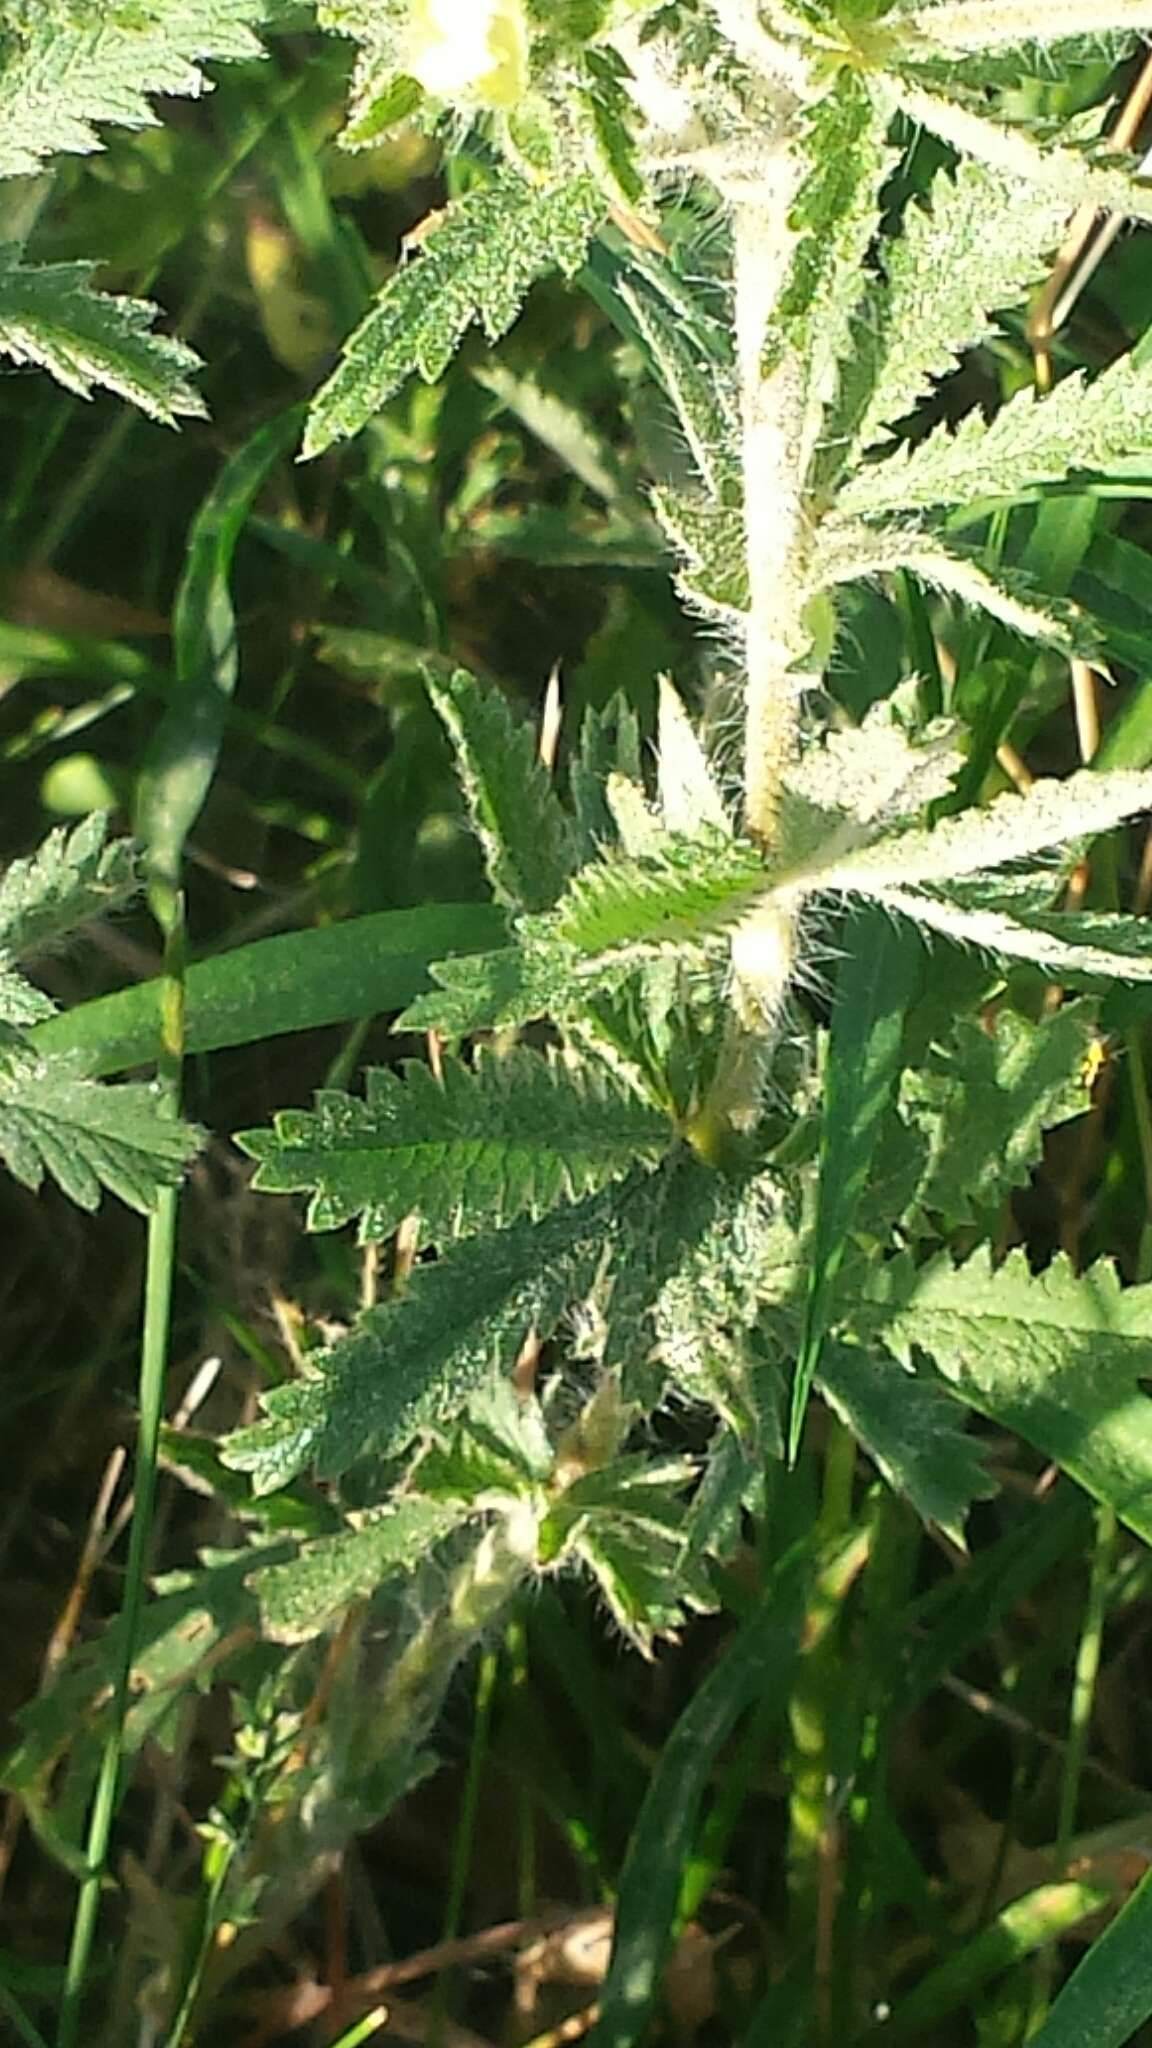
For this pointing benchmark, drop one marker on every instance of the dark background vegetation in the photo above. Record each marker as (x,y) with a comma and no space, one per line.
(451,530)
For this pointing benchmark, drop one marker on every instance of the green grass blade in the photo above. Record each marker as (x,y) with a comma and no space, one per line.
(875,984)
(755,1669)
(181,760)
(1109,1995)
(295,981)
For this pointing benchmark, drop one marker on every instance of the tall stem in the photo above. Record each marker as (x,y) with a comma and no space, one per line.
(161,1263)
(772,400)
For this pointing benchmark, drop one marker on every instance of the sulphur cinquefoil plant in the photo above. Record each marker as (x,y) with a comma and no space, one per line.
(773,1007)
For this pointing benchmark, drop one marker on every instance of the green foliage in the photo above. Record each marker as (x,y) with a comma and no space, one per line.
(516,1137)
(51,318)
(85,1136)
(74,875)
(522,827)
(912,1428)
(54,1120)
(1031,441)
(664,1199)
(980,247)
(412,1361)
(680,897)
(67,66)
(299,1597)
(1057,1357)
(476,265)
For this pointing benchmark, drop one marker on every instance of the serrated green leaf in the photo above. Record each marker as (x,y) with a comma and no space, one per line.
(301,1597)
(500,1447)
(20,1003)
(835,218)
(477,265)
(68,65)
(1031,441)
(691,891)
(1011,828)
(1080,947)
(703,395)
(1058,1357)
(1068,174)
(980,247)
(850,551)
(411,1362)
(470,1151)
(961,25)
(983,1102)
(609,745)
(912,1429)
(50,317)
(74,875)
(480,991)
(525,835)
(710,543)
(87,1136)
(656,1247)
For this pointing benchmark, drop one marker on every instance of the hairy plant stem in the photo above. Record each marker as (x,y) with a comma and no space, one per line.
(772,405)
(775,539)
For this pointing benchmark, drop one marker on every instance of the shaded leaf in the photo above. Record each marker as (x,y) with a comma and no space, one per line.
(87,1136)
(50,317)
(526,838)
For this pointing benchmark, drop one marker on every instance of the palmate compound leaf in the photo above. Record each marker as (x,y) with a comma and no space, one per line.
(68,65)
(1031,441)
(85,1135)
(474,1150)
(982,244)
(1057,1357)
(51,318)
(74,875)
(477,265)
(411,1363)
(525,834)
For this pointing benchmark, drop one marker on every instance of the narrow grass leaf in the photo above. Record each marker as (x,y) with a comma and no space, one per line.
(876,982)
(754,1669)
(1109,1994)
(181,760)
(296,981)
